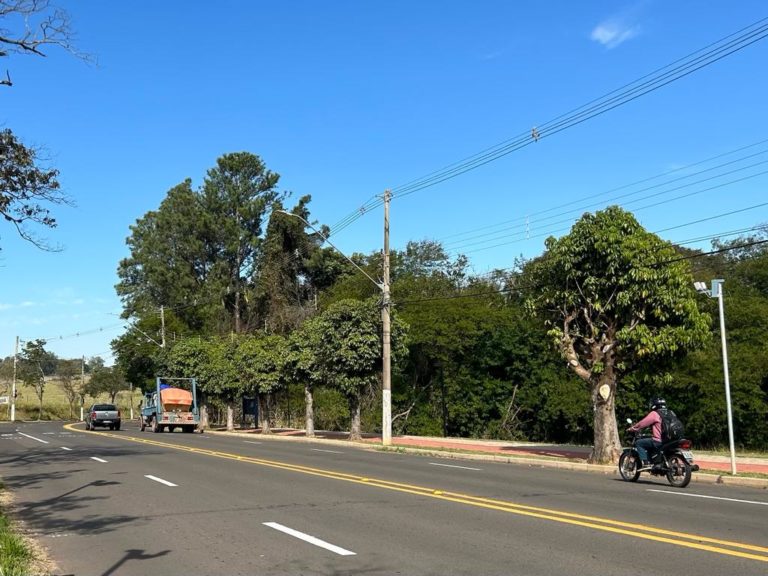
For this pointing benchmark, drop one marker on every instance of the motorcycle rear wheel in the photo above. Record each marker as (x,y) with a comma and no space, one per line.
(629,466)
(679,471)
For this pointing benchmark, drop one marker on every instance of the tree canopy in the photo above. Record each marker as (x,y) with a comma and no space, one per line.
(614,295)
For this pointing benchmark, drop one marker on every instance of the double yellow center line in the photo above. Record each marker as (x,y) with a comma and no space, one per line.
(694,541)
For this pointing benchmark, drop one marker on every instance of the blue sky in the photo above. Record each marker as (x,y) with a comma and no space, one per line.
(345,99)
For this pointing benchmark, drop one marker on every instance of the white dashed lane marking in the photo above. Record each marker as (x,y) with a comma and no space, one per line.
(453,466)
(311,539)
(708,497)
(98,459)
(156,479)
(33,438)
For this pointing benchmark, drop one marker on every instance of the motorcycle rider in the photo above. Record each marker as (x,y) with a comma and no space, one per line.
(652,419)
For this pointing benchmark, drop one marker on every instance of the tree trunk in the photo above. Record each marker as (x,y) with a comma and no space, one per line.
(264,414)
(204,417)
(40,411)
(607,447)
(230,417)
(309,424)
(354,410)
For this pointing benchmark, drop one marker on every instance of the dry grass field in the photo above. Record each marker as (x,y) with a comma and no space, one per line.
(55,404)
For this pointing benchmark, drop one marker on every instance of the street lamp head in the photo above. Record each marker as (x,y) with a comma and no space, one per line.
(700,287)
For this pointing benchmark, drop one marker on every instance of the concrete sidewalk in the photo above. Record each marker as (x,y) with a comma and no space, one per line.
(543,453)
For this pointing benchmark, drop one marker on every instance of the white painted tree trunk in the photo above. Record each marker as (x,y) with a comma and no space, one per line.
(309,405)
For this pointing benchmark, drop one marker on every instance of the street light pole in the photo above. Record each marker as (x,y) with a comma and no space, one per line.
(717,292)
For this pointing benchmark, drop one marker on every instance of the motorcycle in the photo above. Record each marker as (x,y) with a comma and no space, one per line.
(673,459)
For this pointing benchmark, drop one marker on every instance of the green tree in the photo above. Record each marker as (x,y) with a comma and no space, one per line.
(234,198)
(35,364)
(350,351)
(106,380)
(68,373)
(200,251)
(261,364)
(302,366)
(613,295)
(212,363)
(26,188)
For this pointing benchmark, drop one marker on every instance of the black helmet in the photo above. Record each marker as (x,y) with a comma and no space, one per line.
(656,402)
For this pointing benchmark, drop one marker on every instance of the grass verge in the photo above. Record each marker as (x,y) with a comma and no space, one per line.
(16,556)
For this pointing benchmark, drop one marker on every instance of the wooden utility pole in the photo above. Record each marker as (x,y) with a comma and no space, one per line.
(386,358)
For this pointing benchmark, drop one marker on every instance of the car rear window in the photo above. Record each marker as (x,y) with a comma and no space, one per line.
(100,407)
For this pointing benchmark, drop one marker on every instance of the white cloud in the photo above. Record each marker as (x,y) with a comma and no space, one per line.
(611,33)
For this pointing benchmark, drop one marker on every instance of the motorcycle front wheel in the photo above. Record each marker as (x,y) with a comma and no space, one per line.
(679,472)
(629,465)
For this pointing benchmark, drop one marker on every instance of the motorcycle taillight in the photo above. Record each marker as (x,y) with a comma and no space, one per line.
(685,444)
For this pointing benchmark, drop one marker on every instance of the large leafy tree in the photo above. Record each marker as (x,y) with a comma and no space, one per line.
(286,286)
(212,362)
(235,197)
(106,380)
(37,363)
(302,366)
(261,362)
(350,351)
(614,294)
(199,252)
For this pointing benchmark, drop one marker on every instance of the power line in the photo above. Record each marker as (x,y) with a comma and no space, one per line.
(755,32)
(676,70)
(527,222)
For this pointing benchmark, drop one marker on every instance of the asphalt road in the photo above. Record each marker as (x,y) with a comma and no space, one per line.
(127,502)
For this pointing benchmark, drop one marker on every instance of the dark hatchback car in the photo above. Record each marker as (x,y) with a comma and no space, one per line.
(102,415)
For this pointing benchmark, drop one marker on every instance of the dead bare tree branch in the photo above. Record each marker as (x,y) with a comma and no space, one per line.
(32,26)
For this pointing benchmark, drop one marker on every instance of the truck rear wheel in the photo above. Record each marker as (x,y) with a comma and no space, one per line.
(156,426)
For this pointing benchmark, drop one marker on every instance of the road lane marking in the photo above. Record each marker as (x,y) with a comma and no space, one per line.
(641,531)
(709,497)
(156,479)
(33,438)
(311,539)
(49,433)
(453,466)
(65,448)
(251,442)
(98,459)
(329,451)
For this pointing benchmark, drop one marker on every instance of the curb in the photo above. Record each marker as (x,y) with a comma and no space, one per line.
(607,470)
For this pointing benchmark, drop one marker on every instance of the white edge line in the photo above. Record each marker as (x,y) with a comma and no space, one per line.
(454,466)
(251,442)
(98,459)
(329,451)
(708,497)
(33,438)
(65,448)
(310,539)
(156,479)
